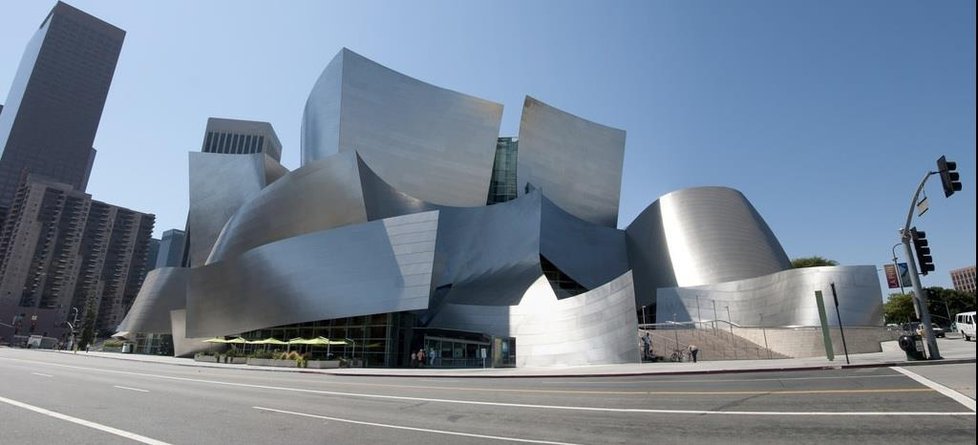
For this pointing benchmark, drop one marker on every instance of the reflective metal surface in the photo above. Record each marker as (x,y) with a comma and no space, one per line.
(594,327)
(164,290)
(434,144)
(784,298)
(388,214)
(317,196)
(577,163)
(219,185)
(333,192)
(590,254)
(374,267)
(701,235)
(182,345)
(489,255)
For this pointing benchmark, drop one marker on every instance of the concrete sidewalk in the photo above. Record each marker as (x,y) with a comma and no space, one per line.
(954,350)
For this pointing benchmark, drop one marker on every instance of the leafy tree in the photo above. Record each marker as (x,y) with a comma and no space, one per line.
(899,309)
(812,261)
(942,304)
(88,325)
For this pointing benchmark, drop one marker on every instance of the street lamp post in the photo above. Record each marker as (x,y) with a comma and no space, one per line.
(930,343)
(764,331)
(71,344)
(715,318)
(730,324)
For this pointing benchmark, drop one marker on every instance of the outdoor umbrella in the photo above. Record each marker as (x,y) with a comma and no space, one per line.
(316,341)
(215,340)
(268,341)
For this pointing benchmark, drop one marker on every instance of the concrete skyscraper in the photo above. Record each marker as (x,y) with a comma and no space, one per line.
(63,255)
(55,103)
(234,136)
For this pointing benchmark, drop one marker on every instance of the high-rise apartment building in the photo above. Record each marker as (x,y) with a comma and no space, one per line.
(963,279)
(55,102)
(64,250)
(234,136)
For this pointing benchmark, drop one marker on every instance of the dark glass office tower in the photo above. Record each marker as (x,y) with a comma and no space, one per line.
(49,120)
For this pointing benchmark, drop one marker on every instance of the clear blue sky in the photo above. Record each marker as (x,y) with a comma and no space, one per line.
(824,114)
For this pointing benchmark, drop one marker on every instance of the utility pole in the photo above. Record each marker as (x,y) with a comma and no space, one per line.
(950,182)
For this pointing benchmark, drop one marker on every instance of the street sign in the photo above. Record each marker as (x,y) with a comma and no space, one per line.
(922,207)
(892,280)
(905,275)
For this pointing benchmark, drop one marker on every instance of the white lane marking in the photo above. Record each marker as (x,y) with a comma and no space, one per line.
(409,428)
(83,422)
(130,389)
(968,402)
(673,381)
(42,375)
(513,405)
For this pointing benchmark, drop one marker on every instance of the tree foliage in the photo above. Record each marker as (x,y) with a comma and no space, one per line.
(812,261)
(942,304)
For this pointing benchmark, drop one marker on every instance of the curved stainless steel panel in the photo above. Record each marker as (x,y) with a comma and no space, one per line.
(164,289)
(431,143)
(273,170)
(334,192)
(577,163)
(318,196)
(590,254)
(183,346)
(375,267)
(384,201)
(784,298)
(698,236)
(219,185)
(648,254)
(489,255)
(596,327)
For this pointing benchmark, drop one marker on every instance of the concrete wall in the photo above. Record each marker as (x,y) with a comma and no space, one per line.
(807,341)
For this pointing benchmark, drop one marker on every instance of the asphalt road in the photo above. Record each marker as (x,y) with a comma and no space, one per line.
(47,398)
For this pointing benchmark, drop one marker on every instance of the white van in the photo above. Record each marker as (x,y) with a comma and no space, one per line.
(965,324)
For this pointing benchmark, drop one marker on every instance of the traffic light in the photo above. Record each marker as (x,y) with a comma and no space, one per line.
(924,260)
(949,177)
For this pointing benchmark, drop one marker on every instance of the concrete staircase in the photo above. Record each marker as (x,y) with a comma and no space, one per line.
(713,344)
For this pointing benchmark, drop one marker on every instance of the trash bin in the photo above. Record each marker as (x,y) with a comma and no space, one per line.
(913,346)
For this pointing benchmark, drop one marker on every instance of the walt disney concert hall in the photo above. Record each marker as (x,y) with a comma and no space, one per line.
(412,224)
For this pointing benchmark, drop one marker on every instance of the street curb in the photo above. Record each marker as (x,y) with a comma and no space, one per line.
(827,367)
(665,373)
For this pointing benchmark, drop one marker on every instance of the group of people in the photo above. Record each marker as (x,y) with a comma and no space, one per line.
(421,359)
(648,353)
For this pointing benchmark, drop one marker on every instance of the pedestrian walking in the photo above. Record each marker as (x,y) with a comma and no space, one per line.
(645,347)
(414,359)
(421,357)
(693,350)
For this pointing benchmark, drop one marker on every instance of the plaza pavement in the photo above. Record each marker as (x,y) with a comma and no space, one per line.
(953,350)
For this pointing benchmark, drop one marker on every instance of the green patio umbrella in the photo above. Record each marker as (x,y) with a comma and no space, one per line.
(215,340)
(318,341)
(268,341)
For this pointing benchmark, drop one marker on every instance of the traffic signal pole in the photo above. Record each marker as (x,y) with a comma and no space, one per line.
(918,292)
